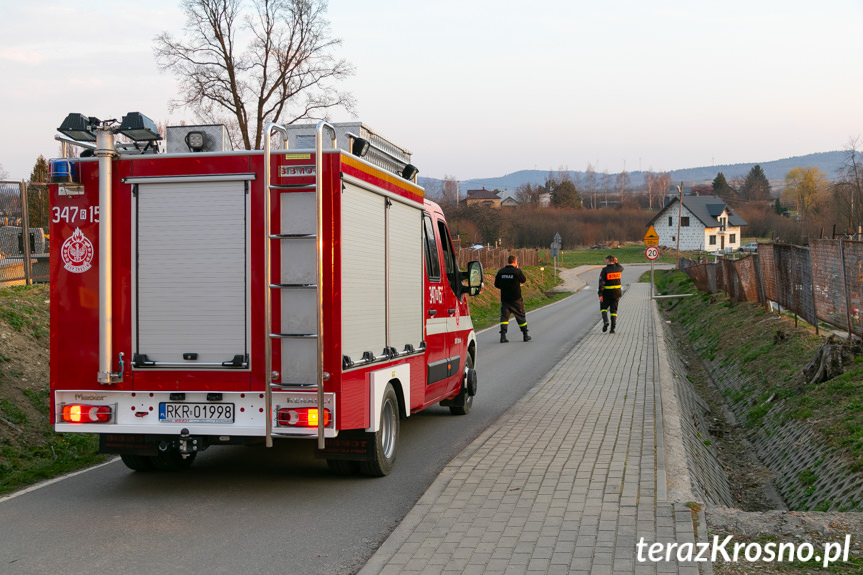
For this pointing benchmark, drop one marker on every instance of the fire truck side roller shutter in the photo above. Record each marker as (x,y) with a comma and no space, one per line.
(191,273)
(363,272)
(405,276)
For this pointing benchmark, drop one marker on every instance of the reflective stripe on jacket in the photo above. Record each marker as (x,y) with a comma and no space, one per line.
(609,277)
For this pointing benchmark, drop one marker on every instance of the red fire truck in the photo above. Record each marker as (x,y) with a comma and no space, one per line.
(202,296)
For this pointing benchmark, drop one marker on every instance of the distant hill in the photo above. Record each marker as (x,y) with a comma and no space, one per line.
(828,162)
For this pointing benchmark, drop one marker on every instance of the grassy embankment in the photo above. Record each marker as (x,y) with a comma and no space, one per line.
(770,352)
(30,451)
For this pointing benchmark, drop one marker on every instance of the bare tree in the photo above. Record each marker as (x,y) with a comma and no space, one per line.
(622,182)
(286,72)
(449,192)
(528,194)
(590,183)
(657,186)
(851,181)
(4,175)
(606,185)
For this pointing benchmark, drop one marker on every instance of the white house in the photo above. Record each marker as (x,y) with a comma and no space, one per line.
(707,223)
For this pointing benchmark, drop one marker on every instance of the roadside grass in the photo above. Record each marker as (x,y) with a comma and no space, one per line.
(48,456)
(626,254)
(30,451)
(25,309)
(770,352)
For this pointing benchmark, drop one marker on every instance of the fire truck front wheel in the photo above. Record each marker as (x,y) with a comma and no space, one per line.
(463,402)
(386,437)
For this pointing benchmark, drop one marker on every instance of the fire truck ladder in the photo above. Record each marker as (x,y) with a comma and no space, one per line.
(297,283)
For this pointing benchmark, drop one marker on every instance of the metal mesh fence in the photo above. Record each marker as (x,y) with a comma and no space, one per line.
(822,282)
(24,216)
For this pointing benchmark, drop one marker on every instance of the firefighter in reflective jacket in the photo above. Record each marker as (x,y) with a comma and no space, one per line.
(508,280)
(609,291)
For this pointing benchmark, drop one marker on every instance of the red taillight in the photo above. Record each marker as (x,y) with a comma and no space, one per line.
(83,413)
(302,416)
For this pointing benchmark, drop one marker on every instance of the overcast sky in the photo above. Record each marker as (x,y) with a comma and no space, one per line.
(482,88)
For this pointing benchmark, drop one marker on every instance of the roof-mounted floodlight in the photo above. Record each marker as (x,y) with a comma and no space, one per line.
(360,147)
(409,171)
(139,127)
(196,141)
(79,127)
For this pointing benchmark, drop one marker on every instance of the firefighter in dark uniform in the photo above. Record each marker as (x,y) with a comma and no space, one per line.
(508,280)
(609,291)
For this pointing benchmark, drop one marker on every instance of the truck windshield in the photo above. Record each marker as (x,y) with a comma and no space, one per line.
(449,258)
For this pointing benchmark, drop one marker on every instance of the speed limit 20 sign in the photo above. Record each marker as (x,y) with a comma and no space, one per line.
(652,252)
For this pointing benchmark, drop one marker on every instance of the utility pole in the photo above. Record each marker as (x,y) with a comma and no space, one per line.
(679,217)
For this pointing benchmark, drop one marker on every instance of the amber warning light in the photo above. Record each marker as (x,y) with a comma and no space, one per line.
(302,417)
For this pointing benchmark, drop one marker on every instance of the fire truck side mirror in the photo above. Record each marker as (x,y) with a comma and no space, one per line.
(474,278)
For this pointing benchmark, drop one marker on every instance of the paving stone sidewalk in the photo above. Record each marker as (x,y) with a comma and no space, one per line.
(568,480)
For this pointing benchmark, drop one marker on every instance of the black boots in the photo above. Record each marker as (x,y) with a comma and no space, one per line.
(524,332)
(605,326)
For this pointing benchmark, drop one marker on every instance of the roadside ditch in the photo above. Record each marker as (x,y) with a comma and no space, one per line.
(762,472)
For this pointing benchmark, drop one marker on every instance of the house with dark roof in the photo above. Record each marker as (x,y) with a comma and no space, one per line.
(705,223)
(483,197)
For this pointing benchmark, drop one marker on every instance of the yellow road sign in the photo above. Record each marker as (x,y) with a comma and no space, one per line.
(651,238)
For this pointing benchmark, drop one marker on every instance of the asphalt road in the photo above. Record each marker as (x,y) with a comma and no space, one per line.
(279,510)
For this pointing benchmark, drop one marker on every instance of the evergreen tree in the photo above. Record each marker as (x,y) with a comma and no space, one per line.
(720,184)
(756,187)
(563,194)
(777,207)
(37,195)
(40,171)
(722,189)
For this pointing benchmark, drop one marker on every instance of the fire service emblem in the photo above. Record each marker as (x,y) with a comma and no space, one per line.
(77,253)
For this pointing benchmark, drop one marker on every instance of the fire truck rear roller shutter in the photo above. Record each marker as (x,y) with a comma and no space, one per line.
(191,270)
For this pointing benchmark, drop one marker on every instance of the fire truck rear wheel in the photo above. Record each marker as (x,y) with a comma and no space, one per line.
(137,462)
(171,460)
(342,467)
(386,437)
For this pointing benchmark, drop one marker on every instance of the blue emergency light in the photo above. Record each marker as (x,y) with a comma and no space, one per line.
(63,171)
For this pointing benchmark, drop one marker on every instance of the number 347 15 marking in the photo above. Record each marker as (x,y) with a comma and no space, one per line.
(72,214)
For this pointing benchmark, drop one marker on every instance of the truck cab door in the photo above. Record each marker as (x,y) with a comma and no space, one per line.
(438,306)
(456,307)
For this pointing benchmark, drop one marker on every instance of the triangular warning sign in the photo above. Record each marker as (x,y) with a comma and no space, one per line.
(651,234)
